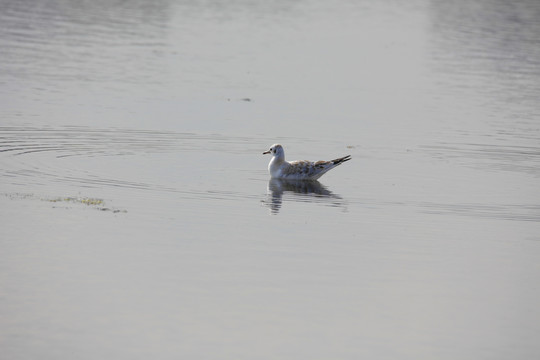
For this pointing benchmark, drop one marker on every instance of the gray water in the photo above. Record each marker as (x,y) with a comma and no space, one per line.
(137,216)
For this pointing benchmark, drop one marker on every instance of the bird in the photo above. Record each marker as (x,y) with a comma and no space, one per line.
(279,168)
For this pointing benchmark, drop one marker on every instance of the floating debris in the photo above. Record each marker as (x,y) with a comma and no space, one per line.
(86,201)
(246,99)
(95,203)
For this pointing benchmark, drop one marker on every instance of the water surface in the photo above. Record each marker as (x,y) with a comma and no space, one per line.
(138,218)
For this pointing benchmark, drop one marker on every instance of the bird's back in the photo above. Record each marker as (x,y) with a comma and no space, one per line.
(309,170)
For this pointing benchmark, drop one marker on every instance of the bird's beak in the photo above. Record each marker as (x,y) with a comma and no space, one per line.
(266,152)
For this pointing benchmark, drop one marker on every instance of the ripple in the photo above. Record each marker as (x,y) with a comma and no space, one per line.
(84,141)
(503,157)
(81,141)
(512,212)
(90,158)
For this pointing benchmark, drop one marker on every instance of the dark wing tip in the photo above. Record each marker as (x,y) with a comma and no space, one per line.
(341,160)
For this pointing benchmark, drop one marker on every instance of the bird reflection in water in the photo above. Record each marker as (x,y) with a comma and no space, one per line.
(302,191)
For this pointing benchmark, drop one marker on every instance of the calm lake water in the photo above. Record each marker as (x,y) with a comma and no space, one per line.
(137,216)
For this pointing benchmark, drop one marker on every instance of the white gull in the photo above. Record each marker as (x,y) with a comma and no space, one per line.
(299,169)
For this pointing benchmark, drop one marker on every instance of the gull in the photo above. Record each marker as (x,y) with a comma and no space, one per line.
(299,169)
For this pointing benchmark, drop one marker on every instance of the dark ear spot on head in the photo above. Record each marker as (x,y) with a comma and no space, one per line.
(274,151)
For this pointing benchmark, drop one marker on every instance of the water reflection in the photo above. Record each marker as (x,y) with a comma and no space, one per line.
(301,191)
